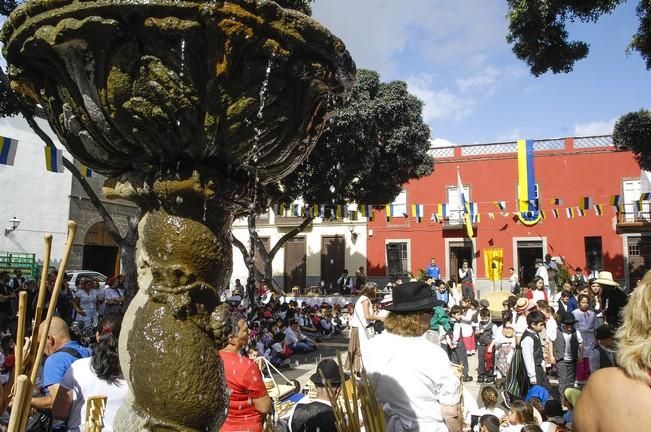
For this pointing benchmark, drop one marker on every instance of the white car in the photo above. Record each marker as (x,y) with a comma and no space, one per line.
(75,275)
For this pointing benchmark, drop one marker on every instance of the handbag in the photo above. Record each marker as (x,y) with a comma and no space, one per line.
(40,421)
(517,380)
(370,330)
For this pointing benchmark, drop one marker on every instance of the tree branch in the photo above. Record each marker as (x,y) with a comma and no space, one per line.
(97,203)
(281,242)
(245,254)
(242,248)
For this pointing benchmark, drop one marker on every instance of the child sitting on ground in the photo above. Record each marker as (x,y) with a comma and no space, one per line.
(489,423)
(489,398)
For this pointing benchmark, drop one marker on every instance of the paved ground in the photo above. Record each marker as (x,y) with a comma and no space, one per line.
(304,365)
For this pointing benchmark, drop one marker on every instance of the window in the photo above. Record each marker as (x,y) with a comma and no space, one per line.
(593,253)
(632,212)
(400,204)
(398,259)
(634,246)
(455,210)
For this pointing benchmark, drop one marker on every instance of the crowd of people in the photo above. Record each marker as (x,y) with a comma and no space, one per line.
(414,345)
(81,354)
(566,334)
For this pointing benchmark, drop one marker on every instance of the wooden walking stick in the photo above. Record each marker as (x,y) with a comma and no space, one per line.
(22,388)
(38,312)
(20,334)
(42,336)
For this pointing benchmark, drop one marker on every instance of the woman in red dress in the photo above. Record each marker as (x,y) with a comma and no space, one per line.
(249,401)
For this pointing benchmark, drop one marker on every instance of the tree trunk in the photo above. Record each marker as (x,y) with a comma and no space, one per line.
(128,260)
(267,257)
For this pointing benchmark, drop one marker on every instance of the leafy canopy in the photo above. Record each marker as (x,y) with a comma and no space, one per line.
(375,143)
(299,5)
(538,34)
(633,131)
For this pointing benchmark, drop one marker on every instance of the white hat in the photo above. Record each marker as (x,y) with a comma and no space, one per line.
(606,278)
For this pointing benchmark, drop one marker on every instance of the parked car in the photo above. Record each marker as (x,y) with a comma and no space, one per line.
(80,274)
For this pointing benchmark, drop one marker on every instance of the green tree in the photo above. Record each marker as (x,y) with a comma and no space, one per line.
(538,34)
(299,5)
(376,142)
(633,131)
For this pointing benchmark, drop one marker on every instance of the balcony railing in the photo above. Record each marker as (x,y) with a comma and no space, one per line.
(634,218)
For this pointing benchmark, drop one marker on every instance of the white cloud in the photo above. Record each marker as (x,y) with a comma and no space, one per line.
(441,142)
(511,135)
(595,128)
(376,32)
(484,80)
(439,103)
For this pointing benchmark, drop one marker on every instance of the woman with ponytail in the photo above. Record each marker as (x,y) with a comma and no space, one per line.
(99,374)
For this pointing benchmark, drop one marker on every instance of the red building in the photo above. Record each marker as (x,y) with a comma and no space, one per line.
(565,169)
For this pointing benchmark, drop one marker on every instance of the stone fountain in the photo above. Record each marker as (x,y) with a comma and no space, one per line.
(192,110)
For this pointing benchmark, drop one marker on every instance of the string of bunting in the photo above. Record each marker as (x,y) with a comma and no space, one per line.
(441,211)
(53,159)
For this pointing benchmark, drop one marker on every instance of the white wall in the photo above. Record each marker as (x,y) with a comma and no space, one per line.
(355,250)
(39,198)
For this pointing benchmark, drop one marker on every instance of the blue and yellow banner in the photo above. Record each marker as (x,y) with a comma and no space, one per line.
(8,148)
(528,212)
(53,159)
(417,211)
(85,171)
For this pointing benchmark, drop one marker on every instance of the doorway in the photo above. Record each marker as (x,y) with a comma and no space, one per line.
(333,255)
(528,251)
(460,251)
(100,252)
(295,261)
(100,259)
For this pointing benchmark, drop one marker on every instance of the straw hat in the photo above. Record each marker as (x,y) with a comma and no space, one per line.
(523,305)
(606,278)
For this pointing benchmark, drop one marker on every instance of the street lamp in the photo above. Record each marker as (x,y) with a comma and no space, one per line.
(13,224)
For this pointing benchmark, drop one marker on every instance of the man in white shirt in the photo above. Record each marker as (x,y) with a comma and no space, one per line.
(413,379)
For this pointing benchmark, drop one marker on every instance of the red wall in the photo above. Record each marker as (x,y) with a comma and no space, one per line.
(568,174)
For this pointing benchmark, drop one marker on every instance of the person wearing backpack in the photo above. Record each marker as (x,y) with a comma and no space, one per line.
(61,352)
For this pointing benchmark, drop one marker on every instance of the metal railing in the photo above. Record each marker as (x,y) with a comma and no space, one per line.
(634,213)
(500,148)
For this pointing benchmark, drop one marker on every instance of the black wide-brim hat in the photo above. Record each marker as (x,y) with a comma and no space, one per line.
(327,369)
(568,318)
(412,297)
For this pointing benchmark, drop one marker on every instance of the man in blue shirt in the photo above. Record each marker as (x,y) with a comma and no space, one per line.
(433,271)
(61,352)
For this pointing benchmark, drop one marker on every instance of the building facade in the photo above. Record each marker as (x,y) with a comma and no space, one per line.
(320,253)
(44,201)
(569,173)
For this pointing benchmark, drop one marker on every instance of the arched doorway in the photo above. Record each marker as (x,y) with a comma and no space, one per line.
(100,251)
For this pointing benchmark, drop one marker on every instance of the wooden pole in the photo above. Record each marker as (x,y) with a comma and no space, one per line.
(38,312)
(22,387)
(42,336)
(20,334)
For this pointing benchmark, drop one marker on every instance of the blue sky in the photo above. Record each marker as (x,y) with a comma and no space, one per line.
(454,56)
